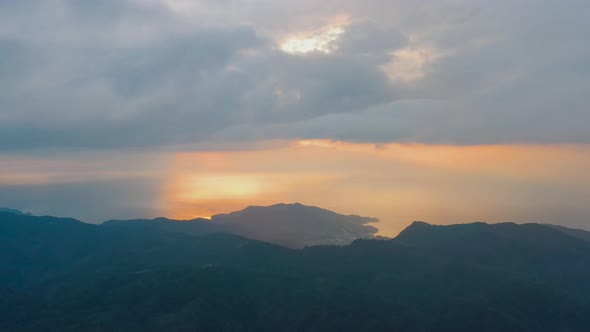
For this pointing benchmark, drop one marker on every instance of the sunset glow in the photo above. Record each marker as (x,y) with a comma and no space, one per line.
(442,111)
(319,41)
(397,183)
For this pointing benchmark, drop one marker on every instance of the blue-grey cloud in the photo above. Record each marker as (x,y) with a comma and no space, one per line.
(96,74)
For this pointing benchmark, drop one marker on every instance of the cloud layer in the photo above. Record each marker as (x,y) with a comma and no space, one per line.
(110,74)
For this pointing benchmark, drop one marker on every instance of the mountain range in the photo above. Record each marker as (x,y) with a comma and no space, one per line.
(290,225)
(59,274)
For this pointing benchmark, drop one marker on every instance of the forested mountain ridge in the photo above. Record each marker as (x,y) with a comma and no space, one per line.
(63,275)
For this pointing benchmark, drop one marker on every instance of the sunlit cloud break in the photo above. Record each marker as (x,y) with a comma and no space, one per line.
(322,41)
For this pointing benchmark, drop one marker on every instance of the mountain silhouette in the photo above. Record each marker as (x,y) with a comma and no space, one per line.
(290,225)
(14,211)
(62,274)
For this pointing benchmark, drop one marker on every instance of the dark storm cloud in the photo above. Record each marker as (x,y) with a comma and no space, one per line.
(153,72)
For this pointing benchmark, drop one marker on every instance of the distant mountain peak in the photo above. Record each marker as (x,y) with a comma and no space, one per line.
(15,211)
(297,210)
(296,225)
(278,206)
(295,207)
(289,224)
(418,223)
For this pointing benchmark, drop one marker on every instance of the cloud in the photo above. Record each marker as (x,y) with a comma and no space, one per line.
(151,73)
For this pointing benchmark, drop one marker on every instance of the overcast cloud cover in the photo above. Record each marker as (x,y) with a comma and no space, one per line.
(117,73)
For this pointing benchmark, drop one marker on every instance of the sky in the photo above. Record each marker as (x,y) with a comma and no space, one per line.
(442,111)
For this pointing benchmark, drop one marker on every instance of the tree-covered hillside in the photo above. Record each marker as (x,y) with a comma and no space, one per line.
(64,275)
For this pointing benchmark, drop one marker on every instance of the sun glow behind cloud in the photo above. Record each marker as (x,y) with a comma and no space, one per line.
(216,186)
(410,64)
(397,183)
(319,41)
